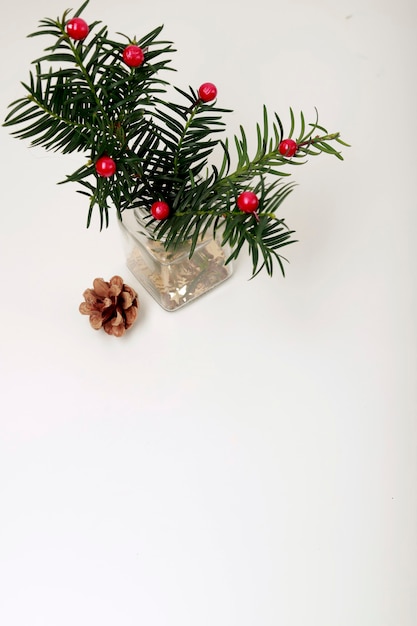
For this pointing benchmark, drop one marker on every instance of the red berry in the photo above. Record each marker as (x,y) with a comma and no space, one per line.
(248,202)
(133,56)
(160,210)
(207,92)
(287,147)
(105,166)
(77,28)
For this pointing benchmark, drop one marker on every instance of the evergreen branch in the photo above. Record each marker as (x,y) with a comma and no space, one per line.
(95,103)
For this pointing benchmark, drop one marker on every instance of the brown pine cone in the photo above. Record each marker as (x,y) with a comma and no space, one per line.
(112,305)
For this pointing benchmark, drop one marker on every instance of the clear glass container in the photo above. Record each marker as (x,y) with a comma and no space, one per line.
(171,277)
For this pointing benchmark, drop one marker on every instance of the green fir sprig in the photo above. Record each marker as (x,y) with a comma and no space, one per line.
(90,100)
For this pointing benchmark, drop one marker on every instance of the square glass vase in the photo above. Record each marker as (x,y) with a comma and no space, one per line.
(172,278)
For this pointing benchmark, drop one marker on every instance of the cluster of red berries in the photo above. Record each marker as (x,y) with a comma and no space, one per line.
(78,29)
(247,202)
(133,56)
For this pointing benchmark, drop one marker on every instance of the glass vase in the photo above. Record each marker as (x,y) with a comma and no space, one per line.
(172,278)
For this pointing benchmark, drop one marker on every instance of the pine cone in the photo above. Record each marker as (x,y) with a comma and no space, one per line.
(112,306)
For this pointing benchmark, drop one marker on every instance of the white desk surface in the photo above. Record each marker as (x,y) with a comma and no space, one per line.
(250,459)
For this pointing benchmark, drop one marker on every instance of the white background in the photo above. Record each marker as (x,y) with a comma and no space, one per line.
(249,460)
